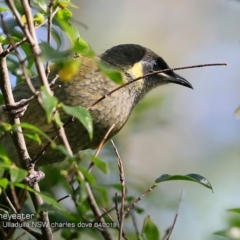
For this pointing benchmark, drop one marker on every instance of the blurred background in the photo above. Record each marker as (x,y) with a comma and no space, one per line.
(177,130)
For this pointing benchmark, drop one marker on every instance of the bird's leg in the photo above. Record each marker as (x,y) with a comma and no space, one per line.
(16,109)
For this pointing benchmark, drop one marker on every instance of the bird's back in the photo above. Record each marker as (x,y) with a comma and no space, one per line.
(83,90)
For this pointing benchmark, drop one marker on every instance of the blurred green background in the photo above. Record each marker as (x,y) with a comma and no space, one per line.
(177,130)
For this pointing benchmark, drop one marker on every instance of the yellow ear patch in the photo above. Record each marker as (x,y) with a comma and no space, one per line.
(136,70)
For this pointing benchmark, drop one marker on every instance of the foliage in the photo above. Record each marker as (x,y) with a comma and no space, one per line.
(79,185)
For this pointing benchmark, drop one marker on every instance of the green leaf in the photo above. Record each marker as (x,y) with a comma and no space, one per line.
(42,4)
(112,73)
(17,174)
(71,216)
(57,119)
(138,209)
(150,230)
(66,3)
(46,207)
(49,103)
(88,176)
(229,234)
(3,9)
(3,183)
(82,115)
(66,233)
(141,237)
(28,51)
(117,186)
(5,166)
(61,149)
(51,54)
(104,194)
(46,198)
(32,128)
(100,164)
(4,157)
(61,19)
(81,190)
(83,48)
(1,99)
(235,210)
(38,19)
(237,112)
(34,137)
(56,36)
(189,177)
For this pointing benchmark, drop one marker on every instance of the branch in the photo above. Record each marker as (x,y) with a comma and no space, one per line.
(17,136)
(122,180)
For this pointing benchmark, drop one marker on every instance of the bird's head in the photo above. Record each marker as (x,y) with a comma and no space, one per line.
(136,61)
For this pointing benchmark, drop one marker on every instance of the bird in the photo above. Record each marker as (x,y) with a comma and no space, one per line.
(87,86)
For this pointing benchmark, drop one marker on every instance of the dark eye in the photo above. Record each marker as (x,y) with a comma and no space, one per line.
(155,66)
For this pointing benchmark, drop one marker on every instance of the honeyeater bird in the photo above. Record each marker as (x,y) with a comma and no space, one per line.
(87,86)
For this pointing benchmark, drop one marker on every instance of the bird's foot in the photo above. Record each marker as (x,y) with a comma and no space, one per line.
(34,177)
(18,109)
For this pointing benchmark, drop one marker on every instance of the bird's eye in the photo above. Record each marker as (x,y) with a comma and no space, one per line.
(155,66)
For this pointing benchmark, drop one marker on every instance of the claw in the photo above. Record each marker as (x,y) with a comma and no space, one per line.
(18,109)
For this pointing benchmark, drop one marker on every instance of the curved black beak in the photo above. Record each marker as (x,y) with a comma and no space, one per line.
(177,79)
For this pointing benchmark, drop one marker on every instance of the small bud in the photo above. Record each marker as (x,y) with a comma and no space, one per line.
(38,19)
(2,39)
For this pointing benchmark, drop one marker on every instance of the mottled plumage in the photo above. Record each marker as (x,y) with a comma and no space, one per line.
(88,86)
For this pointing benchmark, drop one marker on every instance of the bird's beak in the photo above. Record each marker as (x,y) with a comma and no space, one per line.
(177,79)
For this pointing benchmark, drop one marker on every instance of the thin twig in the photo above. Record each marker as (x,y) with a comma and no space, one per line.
(62,198)
(103,214)
(116,208)
(108,215)
(134,223)
(123,234)
(91,165)
(18,137)
(175,218)
(151,74)
(9,202)
(122,86)
(122,180)
(20,60)
(11,48)
(139,199)
(20,236)
(26,228)
(31,36)
(50,17)
(93,204)
(104,140)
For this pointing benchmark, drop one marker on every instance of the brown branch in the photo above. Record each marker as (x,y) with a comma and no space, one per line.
(139,199)
(175,219)
(151,74)
(20,236)
(134,223)
(122,86)
(31,36)
(11,48)
(96,211)
(49,27)
(122,180)
(26,228)
(91,165)
(116,207)
(21,61)
(103,214)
